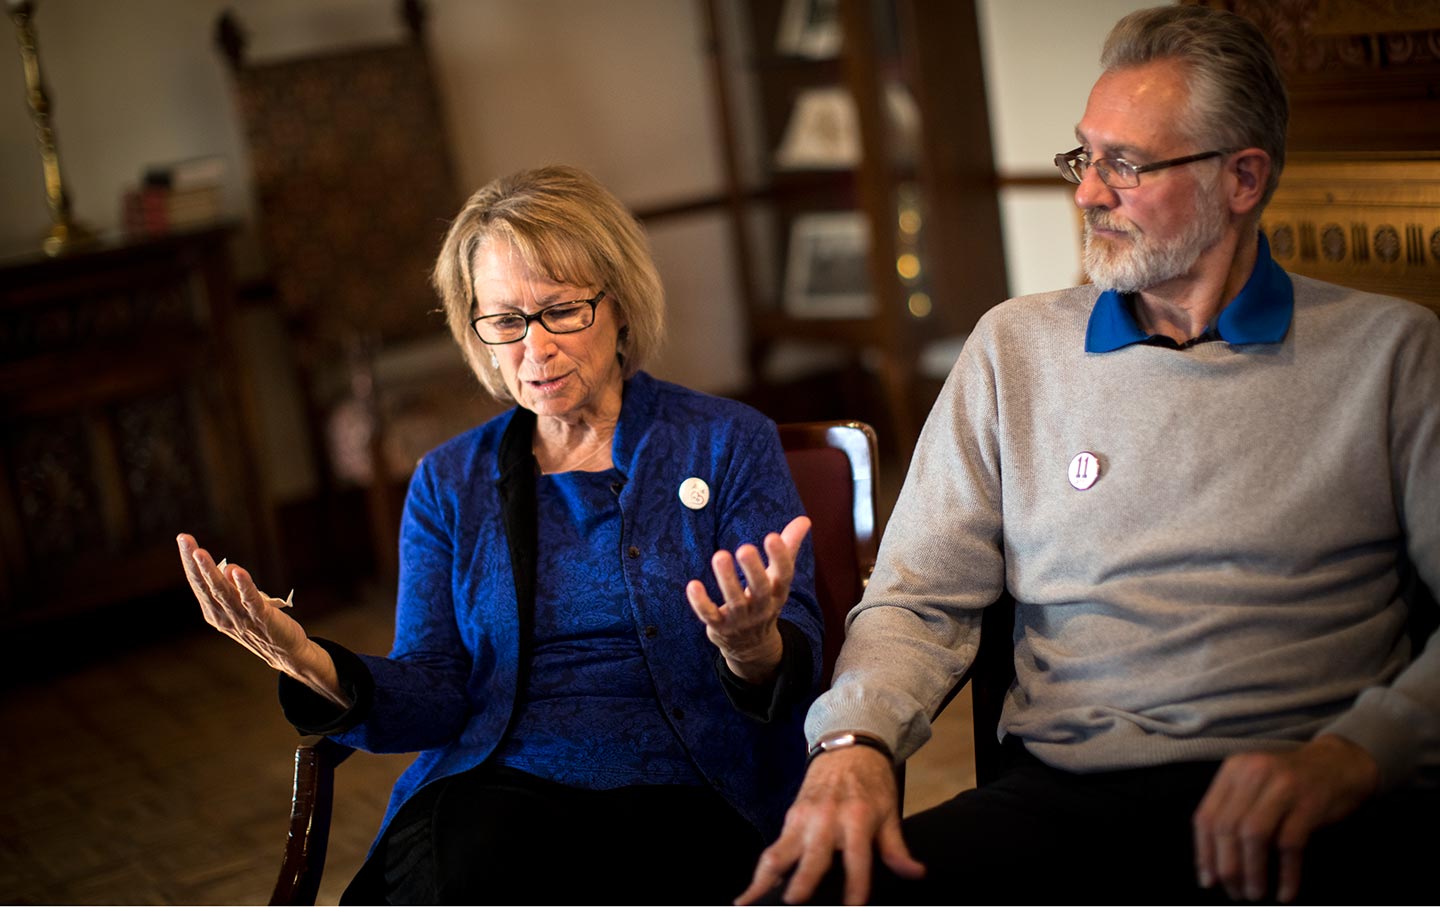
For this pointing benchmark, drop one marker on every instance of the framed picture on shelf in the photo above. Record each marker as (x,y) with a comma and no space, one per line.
(827,271)
(809,28)
(823,132)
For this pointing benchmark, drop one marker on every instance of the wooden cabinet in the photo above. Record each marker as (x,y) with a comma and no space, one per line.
(868,166)
(125,422)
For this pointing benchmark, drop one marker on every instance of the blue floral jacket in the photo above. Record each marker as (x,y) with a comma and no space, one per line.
(449,685)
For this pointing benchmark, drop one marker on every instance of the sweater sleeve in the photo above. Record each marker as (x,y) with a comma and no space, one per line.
(1399,724)
(916,629)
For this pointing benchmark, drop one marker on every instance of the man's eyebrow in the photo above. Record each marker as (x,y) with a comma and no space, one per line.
(1121,151)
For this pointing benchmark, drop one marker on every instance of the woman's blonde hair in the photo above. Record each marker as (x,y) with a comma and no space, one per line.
(561,223)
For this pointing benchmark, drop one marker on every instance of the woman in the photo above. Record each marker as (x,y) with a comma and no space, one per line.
(584,736)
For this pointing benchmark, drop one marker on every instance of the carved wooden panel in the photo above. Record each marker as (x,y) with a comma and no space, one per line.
(1362,74)
(1367,222)
(124,423)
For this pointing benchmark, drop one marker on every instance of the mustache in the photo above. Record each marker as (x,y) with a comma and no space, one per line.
(1097,219)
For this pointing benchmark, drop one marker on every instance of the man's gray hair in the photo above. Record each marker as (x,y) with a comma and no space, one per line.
(1237,95)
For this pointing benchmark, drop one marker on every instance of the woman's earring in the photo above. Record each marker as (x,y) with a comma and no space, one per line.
(494,361)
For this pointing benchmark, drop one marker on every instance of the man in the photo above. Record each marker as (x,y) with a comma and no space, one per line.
(1201,479)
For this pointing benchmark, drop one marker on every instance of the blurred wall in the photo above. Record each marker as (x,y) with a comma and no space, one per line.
(618,87)
(1041,57)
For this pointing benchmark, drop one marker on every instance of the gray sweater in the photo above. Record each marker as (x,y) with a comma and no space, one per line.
(1230,581)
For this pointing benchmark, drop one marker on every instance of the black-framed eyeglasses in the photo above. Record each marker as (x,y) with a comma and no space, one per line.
(1116,172)
(560,318)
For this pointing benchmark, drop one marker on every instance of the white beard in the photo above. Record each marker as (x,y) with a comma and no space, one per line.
(1150,262)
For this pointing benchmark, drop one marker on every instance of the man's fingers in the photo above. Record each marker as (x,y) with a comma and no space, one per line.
(857,857)
(1260,831)
(814,863)
(770,870)
(1289,876)
(894,853)
(1255,860)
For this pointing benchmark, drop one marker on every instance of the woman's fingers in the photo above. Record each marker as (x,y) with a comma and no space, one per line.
(765,587)
(794,533)
(722,563)
(700,602)
(757,578)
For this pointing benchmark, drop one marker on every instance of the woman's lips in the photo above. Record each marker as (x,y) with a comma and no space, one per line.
(548,384)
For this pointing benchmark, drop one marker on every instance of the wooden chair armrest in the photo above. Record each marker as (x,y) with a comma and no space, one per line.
(310,809)
(990,676)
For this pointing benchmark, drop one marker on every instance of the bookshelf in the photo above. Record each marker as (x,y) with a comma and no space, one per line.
(858,160)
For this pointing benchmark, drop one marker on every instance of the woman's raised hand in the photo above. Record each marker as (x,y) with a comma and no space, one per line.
(743,626)
(233,604)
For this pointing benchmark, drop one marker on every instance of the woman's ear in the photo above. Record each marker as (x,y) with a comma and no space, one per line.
(1249,170)
(622,341)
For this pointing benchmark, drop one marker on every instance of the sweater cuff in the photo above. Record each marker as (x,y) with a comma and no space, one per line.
(765,702)
(312,713)
(1383,721)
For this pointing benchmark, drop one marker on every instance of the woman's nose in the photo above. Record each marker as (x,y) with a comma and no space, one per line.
(539,343)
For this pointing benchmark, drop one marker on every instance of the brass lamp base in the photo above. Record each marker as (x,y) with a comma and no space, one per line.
(66,237)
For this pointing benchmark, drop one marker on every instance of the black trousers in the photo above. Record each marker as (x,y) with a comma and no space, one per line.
(497,835)
(1039,835)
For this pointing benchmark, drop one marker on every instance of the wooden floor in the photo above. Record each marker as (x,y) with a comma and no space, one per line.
(162,775)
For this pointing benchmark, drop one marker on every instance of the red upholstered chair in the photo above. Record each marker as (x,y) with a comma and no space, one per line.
(834,465)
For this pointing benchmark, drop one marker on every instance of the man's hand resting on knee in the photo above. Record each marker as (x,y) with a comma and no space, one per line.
(1263,805)
(848,803)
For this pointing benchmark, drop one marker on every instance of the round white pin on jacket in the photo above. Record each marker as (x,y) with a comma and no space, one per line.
(694,493)
(1084,470)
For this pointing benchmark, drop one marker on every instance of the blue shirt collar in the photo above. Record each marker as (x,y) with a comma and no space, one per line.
(1259,313)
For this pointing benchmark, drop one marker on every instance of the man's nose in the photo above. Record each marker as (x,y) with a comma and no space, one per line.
(1093,193)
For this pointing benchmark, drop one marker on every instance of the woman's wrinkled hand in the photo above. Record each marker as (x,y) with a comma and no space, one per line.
(743,626)
(233,604)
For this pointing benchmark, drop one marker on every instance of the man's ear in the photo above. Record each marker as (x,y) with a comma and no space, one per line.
(1249,171)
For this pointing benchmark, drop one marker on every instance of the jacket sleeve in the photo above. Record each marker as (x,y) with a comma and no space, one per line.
(418,699)
(761,499)
(767,702)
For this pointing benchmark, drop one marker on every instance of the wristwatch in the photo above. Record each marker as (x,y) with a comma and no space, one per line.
(848,738)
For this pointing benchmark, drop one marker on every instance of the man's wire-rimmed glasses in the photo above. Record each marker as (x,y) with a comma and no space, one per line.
(560,318)
(1116,172)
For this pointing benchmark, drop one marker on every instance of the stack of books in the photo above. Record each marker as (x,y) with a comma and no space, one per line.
(175,196)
